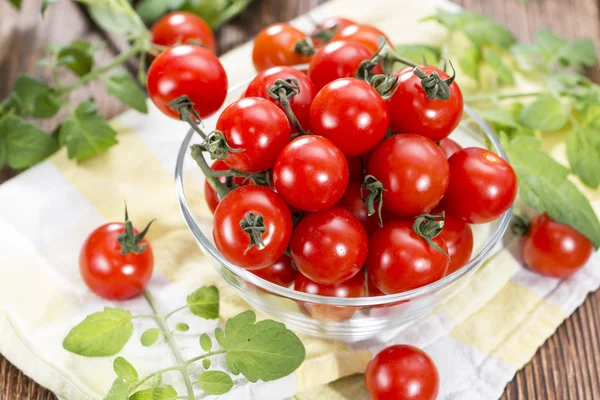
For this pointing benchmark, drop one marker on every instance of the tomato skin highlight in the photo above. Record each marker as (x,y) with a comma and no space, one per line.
(553,249)
(274,46)
(311,173)
(280,272)
(449,147)
(233,242)
(402,372)
(351,114)
(258,127)
(414,172)
(458,236)
(400,260)
(411,111)
(482,186)
(187,70)
(106,271)
(182,27)
(364,34)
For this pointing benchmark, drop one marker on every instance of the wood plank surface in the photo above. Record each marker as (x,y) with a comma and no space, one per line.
(567,366)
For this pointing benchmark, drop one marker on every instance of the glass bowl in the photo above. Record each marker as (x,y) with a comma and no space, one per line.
(348,319)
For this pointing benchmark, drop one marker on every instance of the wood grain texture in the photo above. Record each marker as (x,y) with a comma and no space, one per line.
(566,367)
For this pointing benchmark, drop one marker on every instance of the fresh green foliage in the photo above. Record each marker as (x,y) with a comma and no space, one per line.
(16,3)
(125,370)
(157,379)
(204,302)
(205,342)
(78,56)
(494,60)
(214,12)
(182,327)
(470,61)
(546,113)
(110,19)
(501,117)
(119,390)
(125,88)
(22,144)
(150,336)
(45,4)
(155,393)
(215,382)
(32,98)
(206,363)
(419,52)
(220,337)
(583,152)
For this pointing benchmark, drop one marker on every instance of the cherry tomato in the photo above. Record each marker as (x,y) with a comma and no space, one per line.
(280,272)
(356,169)
(411,111)
(311,173)
(400,260)
(329,246)
(482,186)
(259,128)
(234,242)
(211,197)
(187,70)
(338,59)
(353,287)
(182,27)
(449,147)
(402,372)
(554,249)
(362,33)
(106,271)
(459,240)
(352,201)
(333,24)
(299,103)
(413,171)
(351,114)
(275,45)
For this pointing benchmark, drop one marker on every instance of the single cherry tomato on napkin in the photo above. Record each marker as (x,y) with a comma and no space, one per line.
(211,197)
(280,272)
(402,372)
(116,261)
(449,147)
(553,249)
(329,27)
(181,27)
(276,45)
(362,33)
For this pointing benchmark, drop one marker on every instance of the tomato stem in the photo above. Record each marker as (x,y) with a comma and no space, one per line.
(428,226)
(434,86)
(129,241)
(217,146)
(253,225)
(283,90)
(185,107)
(376,189)
(305,47)
(520,225)
(175,310)
(198,156)
(206,355)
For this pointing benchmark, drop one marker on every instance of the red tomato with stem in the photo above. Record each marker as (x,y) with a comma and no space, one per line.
(187,70)
(338,59)
(258,128)
(402,372)
(275,45)
(330,26)
(311,173)
(353,202)
(299,103)
(280,272)
(240,235)
(181,27)
(353,287)
(104,267)
(414,172)
(411,111)
(351,114)
(400,260)
(362,33)
(449,147)
(553,249)
(482,186)
(211,197)
(458,236)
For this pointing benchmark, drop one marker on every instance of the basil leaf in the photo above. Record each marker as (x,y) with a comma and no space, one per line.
(86,133)
(420,52)
(495,61)
(546,114)
(499,116)
(204,302)
(215,382)
(583,152)
(100,334)
(36,98)
(206,363)
(205,342)
(149,337)
(125,370)
(264,350)
(125,88)
(112,21)
(45,4)
(156,393)
(23,144)
(78,56)
(119,390)
(469,62)
(151,10)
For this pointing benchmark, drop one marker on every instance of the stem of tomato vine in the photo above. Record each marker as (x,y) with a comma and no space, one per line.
(175,310)
(283,90)
(206,355)
(150,376)
(215,183)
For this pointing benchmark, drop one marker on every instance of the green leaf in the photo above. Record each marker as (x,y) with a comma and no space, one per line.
(220,336)
(125,370)
(264,350)
(157,379)
(45,4)
(125,88)
(215,382)
(149,336)
(234,8)
(36,98)
(549,42)
(495,61)
(182,327)
(23,144)
(583,152)
(151,10)
(17,4)
(499,116)
(543,185)
(78,56)
(156,393)
(209,10)
(469,62)
(206,363)
(205,342)
(100,334)
(546,114)
(578,52)
(204,302)
(418,52)
(119,390)
(86,133)
(112,21)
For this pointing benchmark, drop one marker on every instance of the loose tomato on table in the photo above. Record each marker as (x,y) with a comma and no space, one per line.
(252,227)
(187,70)
(362,33)
(210,196)
(181,27)
(402,372)
(449,147)
(329,27)
(553,249)
(276,45)
(281,272)
(482,186)
(116,261)
(351,114)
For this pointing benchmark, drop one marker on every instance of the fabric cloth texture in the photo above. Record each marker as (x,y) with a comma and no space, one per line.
(478,339)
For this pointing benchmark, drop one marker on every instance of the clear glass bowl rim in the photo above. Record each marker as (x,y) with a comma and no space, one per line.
(248,276)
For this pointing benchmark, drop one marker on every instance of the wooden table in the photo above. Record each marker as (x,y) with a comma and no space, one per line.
(567,366)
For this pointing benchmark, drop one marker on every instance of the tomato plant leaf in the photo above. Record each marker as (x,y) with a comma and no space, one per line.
(36,98)
(499,116)
(546,113)
(206,363)
(419,52)
(220,336)
(112,21)
(205,342)
(215,382)
(102,333)
(86,132)
(469,62)
(125,88)
(149,337)
(78,56)
(17,4)
(578,52)
(23,144)
(264,350)
(182,327)
(125,370)
(151,10)
(157,379)
(583,152)
(204,302)
(45,5)
(494,60)
(155,393)
(119,390)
